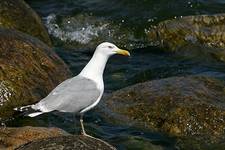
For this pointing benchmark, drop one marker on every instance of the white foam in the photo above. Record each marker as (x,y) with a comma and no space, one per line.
(89,30)
(74,29)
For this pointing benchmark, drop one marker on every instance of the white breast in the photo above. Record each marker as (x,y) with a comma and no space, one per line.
(100,86)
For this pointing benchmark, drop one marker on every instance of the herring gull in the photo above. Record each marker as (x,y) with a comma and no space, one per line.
(81,93)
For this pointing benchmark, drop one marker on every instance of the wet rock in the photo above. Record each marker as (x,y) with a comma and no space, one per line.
(10,138)
(18,15)
(207,30)
(139,143)
(29,69)
(192,106)
(67,142)
(199,143)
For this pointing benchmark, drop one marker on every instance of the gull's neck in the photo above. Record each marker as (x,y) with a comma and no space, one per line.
(95,67)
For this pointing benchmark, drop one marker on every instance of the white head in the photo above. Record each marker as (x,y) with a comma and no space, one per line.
(110,49)
(95,67)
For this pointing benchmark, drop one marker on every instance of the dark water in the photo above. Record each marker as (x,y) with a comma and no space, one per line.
(77,26)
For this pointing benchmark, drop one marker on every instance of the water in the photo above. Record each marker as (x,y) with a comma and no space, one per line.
(76,27)
(83,22)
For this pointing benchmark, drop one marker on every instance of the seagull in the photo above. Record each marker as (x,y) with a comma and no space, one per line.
(81,93)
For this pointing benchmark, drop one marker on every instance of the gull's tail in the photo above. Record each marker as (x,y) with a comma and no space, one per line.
(29,110)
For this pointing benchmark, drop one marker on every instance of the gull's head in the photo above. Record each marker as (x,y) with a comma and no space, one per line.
(110,49)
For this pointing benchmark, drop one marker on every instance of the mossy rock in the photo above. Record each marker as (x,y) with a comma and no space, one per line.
(29,70)
(11,138)
(67,143)
(16,14)
(192,106)
(206,30)
(138,143)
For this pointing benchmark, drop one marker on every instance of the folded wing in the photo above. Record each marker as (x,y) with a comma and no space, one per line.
(72,95)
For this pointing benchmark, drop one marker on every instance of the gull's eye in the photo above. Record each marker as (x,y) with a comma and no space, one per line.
(110,46)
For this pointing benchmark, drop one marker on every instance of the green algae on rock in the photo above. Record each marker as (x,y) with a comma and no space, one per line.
(29,69)
(208,30)
(12,138)
(16,14)
(67,142)
(179,106)
(203,29)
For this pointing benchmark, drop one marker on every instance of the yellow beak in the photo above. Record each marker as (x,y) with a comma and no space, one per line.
(123,52)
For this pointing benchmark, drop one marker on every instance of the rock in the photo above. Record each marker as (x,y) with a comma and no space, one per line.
(10,138)
(139,143)
(192,106)
(18,15)
(29,69)
(208,30)
(200,143)
(67,142)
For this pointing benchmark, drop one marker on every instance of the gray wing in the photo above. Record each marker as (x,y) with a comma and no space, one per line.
(72,95)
